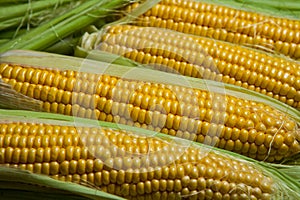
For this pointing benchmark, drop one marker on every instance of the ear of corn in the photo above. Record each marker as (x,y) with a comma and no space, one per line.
(201,57)
(225,23)
(131,162)
(205,112)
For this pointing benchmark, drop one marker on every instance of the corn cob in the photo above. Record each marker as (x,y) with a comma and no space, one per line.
(209,59)
(281,35)
(130,163)
(251,128)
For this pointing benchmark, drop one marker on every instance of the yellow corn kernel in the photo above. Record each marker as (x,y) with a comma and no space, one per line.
(199,115)
(127,164)
(206,59)
(237,26)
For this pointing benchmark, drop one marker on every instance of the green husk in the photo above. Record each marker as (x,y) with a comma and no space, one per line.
(9,2)
(68,45)
(11,34)
(33,13)
(289,4)
(289,168)
(64,25)
(284,9)
(141,9)
(288,187)
(21,184)
(104,56)
(2,41)
(19,10)
(65,46)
